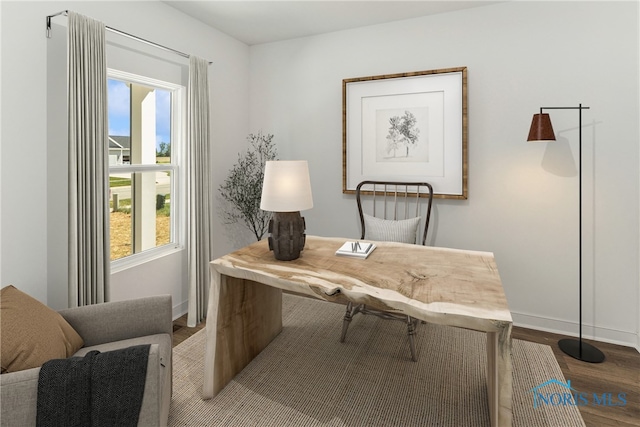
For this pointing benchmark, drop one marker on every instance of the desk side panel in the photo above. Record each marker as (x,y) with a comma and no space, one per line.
(249,318)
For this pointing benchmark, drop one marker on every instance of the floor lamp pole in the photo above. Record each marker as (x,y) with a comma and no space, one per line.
(577,348)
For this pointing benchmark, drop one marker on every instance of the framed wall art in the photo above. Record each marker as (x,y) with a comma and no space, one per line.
(406,127)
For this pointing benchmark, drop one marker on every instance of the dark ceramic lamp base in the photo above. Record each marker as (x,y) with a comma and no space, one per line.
(287,235)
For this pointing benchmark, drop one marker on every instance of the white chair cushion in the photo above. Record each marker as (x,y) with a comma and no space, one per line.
(401,231)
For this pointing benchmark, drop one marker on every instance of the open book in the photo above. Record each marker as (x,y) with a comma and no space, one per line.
(356,249)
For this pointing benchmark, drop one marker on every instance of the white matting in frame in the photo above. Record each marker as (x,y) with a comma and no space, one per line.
(407,127)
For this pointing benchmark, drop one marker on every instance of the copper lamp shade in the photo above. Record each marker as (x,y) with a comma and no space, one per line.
(541,129)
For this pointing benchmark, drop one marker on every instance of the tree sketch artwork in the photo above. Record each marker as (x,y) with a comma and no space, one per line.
(401,138)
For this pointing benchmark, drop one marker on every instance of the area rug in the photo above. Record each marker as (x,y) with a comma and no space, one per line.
(306,377)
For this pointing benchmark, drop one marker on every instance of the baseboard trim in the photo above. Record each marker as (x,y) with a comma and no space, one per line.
(180,309)
(557,326)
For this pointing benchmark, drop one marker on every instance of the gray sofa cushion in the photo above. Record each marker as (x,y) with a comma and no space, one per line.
(121,320)
(18,398)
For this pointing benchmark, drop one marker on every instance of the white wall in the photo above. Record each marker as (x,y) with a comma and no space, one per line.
(523,198)
(33,173)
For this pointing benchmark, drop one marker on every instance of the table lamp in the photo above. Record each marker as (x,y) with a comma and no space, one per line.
(286,190)
(542,131)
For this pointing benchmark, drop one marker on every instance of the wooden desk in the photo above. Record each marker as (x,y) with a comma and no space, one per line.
(444,286)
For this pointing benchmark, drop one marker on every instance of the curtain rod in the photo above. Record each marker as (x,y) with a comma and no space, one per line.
(122,33)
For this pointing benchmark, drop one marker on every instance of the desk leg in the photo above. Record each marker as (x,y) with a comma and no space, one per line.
(499,377)
(243,317)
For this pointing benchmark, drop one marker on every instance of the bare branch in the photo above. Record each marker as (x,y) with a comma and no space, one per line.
(242,190)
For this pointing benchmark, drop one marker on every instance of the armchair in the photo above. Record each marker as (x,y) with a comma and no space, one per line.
(106,327)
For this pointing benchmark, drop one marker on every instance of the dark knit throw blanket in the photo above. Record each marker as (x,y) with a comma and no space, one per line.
(99,389)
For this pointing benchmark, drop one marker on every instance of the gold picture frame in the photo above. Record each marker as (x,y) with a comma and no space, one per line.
(407,127)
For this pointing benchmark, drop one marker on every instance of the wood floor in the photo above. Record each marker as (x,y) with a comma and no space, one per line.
(619,373)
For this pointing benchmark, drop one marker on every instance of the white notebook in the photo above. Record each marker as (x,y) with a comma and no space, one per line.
(356,249)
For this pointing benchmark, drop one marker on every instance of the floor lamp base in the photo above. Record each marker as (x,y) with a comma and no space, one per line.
(580,350)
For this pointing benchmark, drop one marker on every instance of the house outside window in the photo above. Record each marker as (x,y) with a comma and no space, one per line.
(145,197)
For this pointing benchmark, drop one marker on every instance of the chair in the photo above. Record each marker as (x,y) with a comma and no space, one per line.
(106,327)
(400,212)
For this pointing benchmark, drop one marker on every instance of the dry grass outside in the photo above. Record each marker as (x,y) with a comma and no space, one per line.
(120,230)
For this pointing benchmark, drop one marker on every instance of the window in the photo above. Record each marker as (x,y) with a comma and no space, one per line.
(145,118)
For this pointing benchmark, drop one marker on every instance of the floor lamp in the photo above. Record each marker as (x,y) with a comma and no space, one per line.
(542,131)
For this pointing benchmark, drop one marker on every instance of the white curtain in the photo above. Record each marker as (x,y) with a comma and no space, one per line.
(88,186)
(199,208)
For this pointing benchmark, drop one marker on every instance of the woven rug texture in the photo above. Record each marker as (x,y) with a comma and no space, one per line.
(306,377)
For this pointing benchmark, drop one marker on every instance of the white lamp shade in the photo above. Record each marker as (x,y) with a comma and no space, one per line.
(286,186)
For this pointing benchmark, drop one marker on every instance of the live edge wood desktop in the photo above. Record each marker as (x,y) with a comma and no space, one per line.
(444,286)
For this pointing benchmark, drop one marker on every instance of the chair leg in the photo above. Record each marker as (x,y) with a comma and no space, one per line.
(346,321)
(411,330)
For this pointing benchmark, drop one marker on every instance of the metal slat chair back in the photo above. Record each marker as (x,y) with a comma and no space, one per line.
(393,201)
(396,201)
